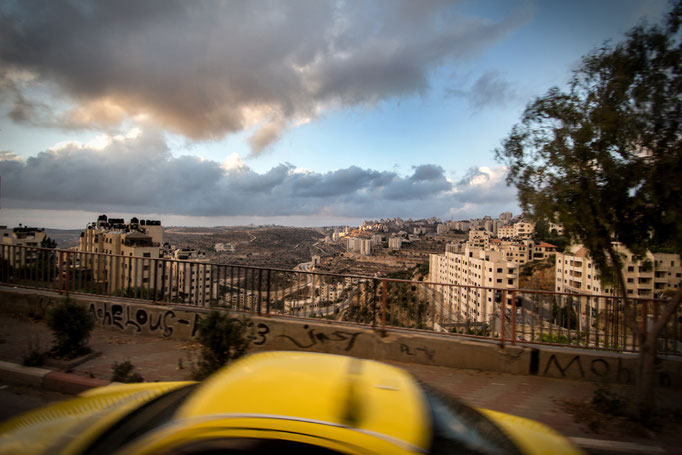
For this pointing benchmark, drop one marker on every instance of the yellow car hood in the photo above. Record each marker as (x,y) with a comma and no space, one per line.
(64,426)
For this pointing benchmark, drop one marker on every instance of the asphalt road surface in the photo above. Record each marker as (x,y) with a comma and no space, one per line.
(17,399)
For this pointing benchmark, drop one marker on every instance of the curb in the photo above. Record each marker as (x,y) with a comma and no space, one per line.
(47,379)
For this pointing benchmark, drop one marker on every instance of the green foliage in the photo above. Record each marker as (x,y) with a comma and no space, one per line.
(604,159)
(469,330)
(552,338)
(121,372)
(222,340)
(423,269)
(138,292)
(565,316)
(71,325)
(48,243)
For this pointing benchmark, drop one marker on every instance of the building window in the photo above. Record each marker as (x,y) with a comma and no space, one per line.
(146,255)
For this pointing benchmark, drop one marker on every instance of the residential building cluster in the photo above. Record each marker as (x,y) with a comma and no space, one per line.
(468,265)
(650,276)
(21,236)
(489,258)
(144,239)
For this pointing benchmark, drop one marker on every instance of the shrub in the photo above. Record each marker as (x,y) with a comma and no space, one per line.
(71,325)
(552,338)
(35,356)
(608,401)
(222,340)
(121,373)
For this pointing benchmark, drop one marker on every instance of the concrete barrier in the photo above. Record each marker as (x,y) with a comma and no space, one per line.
(278,333)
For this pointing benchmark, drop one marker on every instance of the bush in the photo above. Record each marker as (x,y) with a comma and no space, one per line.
(71,325)
(552,338)
(35,356)
(222,340)
(121,373)
(608,401)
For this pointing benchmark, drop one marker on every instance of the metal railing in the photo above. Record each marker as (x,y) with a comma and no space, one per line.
(514,316)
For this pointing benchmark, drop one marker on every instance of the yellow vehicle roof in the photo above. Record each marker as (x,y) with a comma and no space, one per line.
(337,402)
(344,391)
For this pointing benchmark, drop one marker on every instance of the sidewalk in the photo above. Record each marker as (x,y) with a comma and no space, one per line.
(534,397)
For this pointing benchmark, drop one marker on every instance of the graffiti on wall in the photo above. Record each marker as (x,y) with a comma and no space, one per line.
(122,316)
(314,337)
(599,368)
(412,351)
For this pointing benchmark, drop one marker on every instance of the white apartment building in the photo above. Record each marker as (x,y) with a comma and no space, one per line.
(649,277)
(395,243)
(543,250)
(4,232)
(524,251)
(220,247)
(506,216)
(472,267)
(478,238)
(524,230)
(491,226)
(519,230)
(463,226)
(189,280)
(359,245)
(506,231)
(21,236)
(516,252)
(112,236)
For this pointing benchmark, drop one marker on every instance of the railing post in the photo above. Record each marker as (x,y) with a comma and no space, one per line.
(503,303)
(644,314)
(383,308)
(163,280)
(68,270)
(513,319)
(267,301)
(156,274)
(60,281)
(374,300)
(260,280)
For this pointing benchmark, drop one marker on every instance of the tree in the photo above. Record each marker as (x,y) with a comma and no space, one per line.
(47,242)
(604,159)
(222,340)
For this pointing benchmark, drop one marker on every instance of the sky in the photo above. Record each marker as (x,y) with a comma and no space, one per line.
(304,113)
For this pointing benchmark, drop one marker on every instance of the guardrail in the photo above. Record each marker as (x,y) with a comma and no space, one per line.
(505,315)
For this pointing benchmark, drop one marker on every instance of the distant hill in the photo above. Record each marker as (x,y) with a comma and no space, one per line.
(65,238)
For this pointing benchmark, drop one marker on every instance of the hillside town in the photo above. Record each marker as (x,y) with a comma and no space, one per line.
(507,252)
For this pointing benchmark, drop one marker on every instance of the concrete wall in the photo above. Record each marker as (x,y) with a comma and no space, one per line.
(180,322)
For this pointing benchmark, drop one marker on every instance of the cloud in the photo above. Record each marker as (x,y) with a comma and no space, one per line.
(484,186)
(207,69)
(489,90)
(137,173)
(265,137)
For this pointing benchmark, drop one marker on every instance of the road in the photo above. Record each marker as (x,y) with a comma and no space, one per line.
(18,399)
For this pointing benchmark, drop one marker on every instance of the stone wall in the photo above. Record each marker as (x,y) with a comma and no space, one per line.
(270,333)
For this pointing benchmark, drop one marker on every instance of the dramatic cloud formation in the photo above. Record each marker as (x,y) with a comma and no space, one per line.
(137,172)
(206,69)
